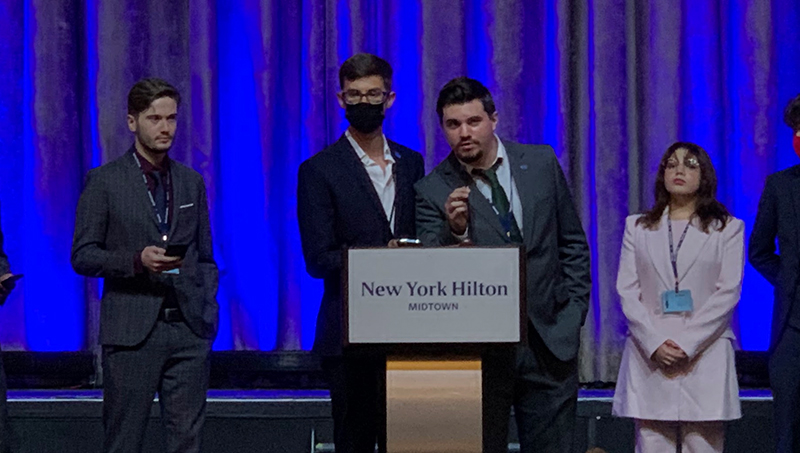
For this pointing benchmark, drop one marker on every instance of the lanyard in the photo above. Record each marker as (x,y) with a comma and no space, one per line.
(361,156)
(673,253)
(391,219)
(509,217)
(505,221)
(163,224)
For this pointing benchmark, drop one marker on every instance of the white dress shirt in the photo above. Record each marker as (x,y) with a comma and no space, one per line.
(382,178)
(506,181)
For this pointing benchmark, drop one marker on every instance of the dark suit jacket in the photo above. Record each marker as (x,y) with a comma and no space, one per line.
(4,267)
(778,218)
(337,207)
(558,274)
(115,221)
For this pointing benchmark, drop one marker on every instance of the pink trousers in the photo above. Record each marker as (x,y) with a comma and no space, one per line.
(655,436)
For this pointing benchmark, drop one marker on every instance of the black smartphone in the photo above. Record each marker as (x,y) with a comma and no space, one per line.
(11,282)
(178,250)
(409,242)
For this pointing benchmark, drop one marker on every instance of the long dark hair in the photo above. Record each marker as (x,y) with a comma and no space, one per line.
(707,209)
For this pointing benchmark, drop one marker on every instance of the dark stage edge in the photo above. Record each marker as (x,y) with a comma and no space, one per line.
(298,421)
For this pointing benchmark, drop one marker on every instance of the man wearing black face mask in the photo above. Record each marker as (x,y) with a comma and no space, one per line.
(358,192)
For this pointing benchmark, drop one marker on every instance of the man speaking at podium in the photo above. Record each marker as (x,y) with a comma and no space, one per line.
(493,192)
(358,192)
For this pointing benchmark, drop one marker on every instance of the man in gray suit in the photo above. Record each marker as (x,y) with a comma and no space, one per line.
(494,192)
(142,224)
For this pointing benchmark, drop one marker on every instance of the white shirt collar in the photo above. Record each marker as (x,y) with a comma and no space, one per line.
(365,159)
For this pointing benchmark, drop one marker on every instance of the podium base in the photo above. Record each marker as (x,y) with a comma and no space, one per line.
(434,405)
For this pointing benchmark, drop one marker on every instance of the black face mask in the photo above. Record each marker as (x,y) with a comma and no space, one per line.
(365,118)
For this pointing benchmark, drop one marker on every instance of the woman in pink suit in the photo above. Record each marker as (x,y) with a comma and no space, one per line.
(680,277)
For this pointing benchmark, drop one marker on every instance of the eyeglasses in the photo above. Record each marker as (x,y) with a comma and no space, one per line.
(375,96)
(691,163)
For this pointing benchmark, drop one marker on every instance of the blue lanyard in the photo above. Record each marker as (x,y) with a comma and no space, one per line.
(163,224)
(673,253)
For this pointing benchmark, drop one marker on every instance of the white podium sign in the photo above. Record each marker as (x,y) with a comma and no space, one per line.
(433,295)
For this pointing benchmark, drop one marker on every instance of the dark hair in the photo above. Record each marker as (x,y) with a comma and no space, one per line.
(462,90)
(145,91)
(363,65)
(708,209)
(791,115)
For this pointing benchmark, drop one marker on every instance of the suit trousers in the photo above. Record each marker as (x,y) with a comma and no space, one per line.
(657,436)
(784,378)
(172,362)
(544,393)
(358,400)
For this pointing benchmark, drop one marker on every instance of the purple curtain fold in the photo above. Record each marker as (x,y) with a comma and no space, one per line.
(608,83)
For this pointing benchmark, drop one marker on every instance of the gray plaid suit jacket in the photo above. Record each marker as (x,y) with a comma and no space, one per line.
(115,221)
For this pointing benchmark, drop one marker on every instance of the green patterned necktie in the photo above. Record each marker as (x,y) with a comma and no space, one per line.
(501,204)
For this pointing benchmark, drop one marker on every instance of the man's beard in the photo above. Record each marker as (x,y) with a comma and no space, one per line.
(150,147)
(475,156)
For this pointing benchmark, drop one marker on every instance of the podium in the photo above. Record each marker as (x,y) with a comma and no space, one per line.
(433,313)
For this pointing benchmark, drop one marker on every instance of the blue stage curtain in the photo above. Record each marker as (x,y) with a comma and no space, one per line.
(609,83)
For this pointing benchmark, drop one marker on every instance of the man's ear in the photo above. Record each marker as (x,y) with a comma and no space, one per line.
(389,100)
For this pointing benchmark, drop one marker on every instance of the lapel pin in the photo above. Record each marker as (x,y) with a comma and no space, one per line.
(524,166)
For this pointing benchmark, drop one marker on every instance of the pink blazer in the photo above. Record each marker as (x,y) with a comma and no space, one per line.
(710,265)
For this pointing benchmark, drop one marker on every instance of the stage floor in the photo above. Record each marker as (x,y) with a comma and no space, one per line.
(299,421)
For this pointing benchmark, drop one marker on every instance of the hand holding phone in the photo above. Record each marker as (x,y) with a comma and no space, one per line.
(155,260)
(178,250)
